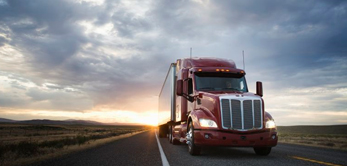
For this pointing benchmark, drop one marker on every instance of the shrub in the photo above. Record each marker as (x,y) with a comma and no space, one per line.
(2,151)
(81,139)
(26,148)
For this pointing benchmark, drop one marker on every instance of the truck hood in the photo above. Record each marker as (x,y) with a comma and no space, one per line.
(231,94)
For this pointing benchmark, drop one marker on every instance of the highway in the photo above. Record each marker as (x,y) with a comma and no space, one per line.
(143,149)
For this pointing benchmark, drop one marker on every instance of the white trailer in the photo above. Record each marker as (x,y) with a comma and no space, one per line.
(167,101)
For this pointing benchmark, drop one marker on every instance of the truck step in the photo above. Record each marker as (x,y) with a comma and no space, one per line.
(183,140)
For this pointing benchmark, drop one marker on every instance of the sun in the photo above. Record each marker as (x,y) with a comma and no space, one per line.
(150,119)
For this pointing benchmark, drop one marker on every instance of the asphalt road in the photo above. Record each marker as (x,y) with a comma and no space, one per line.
(282,154)
(142,149)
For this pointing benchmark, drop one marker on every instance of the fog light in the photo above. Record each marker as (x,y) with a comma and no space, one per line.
(207,136)
(273,136)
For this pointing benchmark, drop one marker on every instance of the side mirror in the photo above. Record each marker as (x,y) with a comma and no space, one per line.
(259,88)
(179,85)
(190,86)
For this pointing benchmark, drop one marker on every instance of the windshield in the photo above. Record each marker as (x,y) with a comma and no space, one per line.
(213,82)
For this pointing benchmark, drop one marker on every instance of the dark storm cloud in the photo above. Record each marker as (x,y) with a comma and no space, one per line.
(58,100)
(296,33)
(118,80)
(284,41)
(12,100)
(46,30)
(127,25)
(2,40)
(305,40)
(15,84)
(57,87)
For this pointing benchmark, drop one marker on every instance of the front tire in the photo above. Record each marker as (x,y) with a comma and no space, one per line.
(264,151)
(192,148)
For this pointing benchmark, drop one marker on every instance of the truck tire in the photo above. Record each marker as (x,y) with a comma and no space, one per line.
(172,137)
(162,131)
(192,148)
(263,151)
(170,134)
(175,142)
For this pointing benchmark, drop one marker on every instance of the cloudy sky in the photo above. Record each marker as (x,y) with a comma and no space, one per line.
(106,60)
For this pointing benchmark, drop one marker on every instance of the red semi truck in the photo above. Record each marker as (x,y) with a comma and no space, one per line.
(205,102)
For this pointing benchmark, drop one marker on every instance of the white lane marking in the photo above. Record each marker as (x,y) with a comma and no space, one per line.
(162,154)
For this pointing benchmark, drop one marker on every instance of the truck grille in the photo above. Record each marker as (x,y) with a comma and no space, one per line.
(241,114)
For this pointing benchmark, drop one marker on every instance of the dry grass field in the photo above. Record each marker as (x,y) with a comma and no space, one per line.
(20,142)
(334,136)
(23,143)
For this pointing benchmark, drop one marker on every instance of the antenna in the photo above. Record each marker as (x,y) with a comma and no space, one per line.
(191,50)
(243,56)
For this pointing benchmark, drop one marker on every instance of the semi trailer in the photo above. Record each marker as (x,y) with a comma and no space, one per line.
(206,102)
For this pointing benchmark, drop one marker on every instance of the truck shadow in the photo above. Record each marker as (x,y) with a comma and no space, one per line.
(218,153)
(231,152)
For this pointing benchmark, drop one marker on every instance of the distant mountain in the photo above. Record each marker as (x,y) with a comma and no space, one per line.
(7,120)
(64,122)
(53,122)
(313,129)
(87,122)
(124,124)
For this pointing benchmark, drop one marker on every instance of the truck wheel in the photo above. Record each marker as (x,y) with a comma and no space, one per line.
(170,134)
(162,131)
(192,148)
(175,142)
(172,137)
(264,151)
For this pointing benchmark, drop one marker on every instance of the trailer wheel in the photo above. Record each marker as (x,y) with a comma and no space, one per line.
(170,134)
(264,151)
(175,142)
(163,131)
(192,148)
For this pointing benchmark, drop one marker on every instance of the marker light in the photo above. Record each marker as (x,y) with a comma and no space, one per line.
(217,69)
(200,95)
(207,123)
(242,71)
(199,69)
(270,124)
(222,69)
(227,70)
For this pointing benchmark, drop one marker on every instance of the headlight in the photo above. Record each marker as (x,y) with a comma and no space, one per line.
(207,123)
(270,124)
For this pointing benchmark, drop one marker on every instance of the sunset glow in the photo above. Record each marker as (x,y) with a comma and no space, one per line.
(106,61)
(121,117)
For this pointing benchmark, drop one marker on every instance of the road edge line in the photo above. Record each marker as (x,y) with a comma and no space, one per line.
(315,161)
(162,154)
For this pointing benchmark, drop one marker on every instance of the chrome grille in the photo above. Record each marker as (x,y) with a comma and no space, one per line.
(247,114)
(257,113)
(241,114)
(226,115)
(236,116)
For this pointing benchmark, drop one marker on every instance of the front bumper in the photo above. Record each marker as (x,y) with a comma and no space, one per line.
(264,138)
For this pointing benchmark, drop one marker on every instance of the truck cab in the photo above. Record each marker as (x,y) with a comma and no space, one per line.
(212,106)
